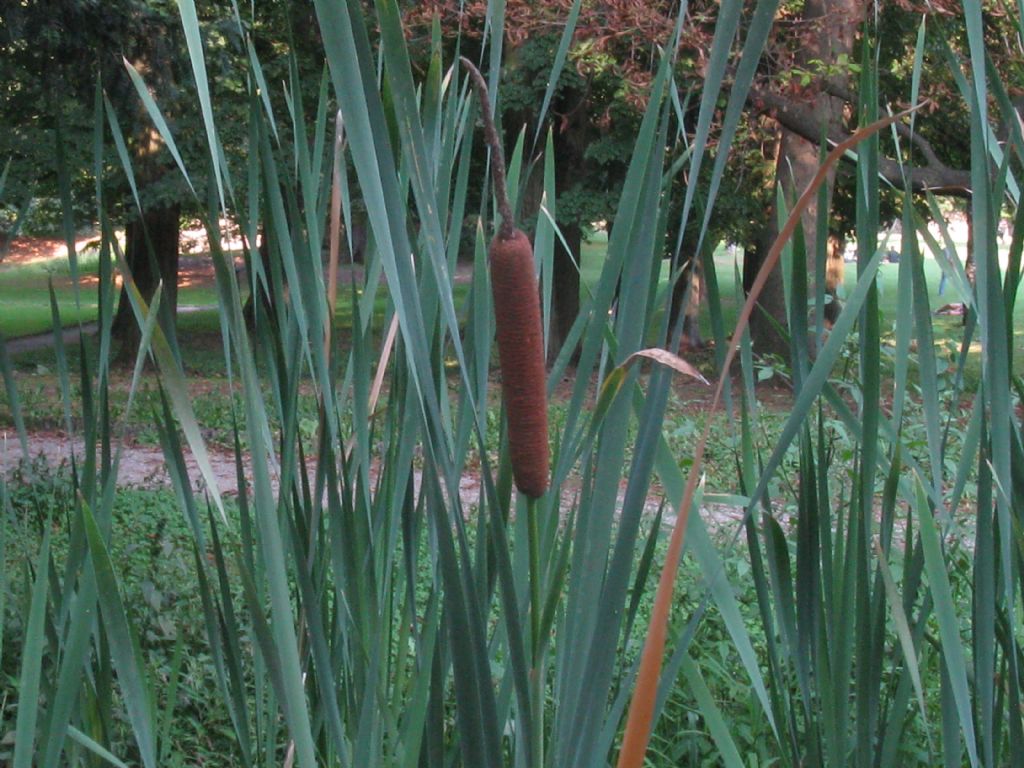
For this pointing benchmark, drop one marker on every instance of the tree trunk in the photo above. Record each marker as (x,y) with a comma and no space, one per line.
(769,318)
(832,26)
(150,263)
(565,288)
(151,235)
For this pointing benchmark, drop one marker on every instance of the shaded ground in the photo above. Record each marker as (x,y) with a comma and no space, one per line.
(44,340)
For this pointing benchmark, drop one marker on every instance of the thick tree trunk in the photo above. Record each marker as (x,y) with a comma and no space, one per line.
(150,263)
(797,163)
(832,26)
(769,318)
(151,235)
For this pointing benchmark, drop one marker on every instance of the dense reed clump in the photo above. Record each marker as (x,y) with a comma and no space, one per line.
(519,332)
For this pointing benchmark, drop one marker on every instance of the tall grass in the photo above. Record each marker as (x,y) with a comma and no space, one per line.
(361,608)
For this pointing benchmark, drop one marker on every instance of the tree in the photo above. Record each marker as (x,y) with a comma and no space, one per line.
(62,54)
(825,43)
(811,95)
(53,58)
(152,234)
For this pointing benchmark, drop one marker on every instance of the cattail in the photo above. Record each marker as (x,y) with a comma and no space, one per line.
(518,324)
(521,357)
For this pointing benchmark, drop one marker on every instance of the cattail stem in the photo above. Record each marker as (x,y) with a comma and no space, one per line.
(497,156)
(536,641)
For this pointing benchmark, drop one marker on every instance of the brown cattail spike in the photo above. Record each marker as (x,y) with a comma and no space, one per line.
(519,331)
(521,355)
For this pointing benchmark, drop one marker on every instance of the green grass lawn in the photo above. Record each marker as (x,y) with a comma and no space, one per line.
(25,295)
(947,328)
(25,299)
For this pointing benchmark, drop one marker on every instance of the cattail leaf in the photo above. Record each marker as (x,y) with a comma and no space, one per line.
(616,378)
(346,44)
(494,28)
(903,329)
(60,356)
(590,329)
(927,368)
(94,747)
(33,649)
(577,723)
(727,750)
(14,403)
(557,65)
(759,28)
(167,717)
(954,661)
(903,632)
(726,27)
(667,359)
(424,168)
(641,710)
(416,708)
(190,24)
(67,211)
(711,564)
(818,374)
(262,91)
(544,240)
(177,389)
(75,654)
(944,251)
(474,694)
(131,671)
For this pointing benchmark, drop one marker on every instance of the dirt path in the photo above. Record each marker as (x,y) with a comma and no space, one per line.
(143,466)
(45,340)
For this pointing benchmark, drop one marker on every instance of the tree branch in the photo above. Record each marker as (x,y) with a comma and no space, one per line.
(935,177)
(923,145)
